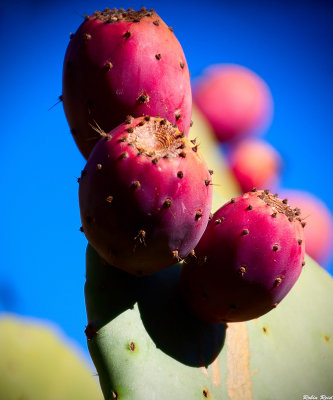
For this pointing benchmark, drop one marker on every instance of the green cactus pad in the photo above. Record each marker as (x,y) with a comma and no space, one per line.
(146,346)
(38,364)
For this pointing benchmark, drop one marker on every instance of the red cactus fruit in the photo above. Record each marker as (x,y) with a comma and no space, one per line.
(255,163)
(319,224)
(235,100)
(122,63)
(145,196)
(248,259)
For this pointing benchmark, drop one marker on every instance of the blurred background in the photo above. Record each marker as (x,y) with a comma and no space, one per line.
(288,44)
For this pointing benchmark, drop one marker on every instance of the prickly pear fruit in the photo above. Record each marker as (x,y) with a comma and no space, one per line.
(146,345)
(248,259)
(319,224)
(235,100)
(145,196)
(255,163)
(122,63)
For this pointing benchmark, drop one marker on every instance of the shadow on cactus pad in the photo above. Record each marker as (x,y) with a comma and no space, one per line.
(110,292)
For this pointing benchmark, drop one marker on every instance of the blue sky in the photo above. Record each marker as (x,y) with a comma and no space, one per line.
(289,44)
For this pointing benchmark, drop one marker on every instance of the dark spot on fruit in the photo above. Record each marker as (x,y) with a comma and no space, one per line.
(275,247)
(254,189)
(167,203)
(233,200)
(86,36)
(182,65)
(207,182)
(128,119)
(124,155)
(147,118)
(170,28)
(242,269)
(303,224)
(191,123)
(299,241)
(180,174)
(303,263)
(265,330)
(130,129)
(114,395)
(163,121)
(198,215)
(245,232)
(277,281)
(157,22)
(71,35)
(155,161)
(127,34)
(274,215)
(285,201)
(108,65)
(195,148)
(182,154)
(109,199)
(266,191)
(205,393)
(81,229)
(158,56)
(143,98)
(135,185)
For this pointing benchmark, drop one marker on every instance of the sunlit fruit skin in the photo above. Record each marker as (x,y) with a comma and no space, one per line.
(235,100)
(255,163)
(247,261)
(319,224)
(145,196)
(121,63)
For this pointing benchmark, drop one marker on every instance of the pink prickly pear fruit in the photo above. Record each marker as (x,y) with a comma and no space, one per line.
(319,224)
(235,100)
(121,63)
(145,196)
(255,163)
(248,259)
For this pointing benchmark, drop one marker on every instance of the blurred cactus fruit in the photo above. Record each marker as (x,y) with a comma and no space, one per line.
(145,195)
(119,63)
(319,224)
(38,363)
(235,100)
(255,163)
(248,259)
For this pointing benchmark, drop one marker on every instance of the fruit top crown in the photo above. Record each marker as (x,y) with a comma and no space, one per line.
(279,205)
(121,14)
(156,137)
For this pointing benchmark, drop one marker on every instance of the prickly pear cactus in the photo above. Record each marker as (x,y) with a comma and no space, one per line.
(224,182)
(145,345)
(37,364)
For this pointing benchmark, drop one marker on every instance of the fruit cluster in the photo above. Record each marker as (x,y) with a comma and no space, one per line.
(145,193)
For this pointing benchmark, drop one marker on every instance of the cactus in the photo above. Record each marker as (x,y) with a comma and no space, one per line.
(122,63)
(37,363)
(145,196)
(235,100)
(248,259)
(146,346)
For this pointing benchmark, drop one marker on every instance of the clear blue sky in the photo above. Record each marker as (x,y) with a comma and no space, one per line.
(42,264)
